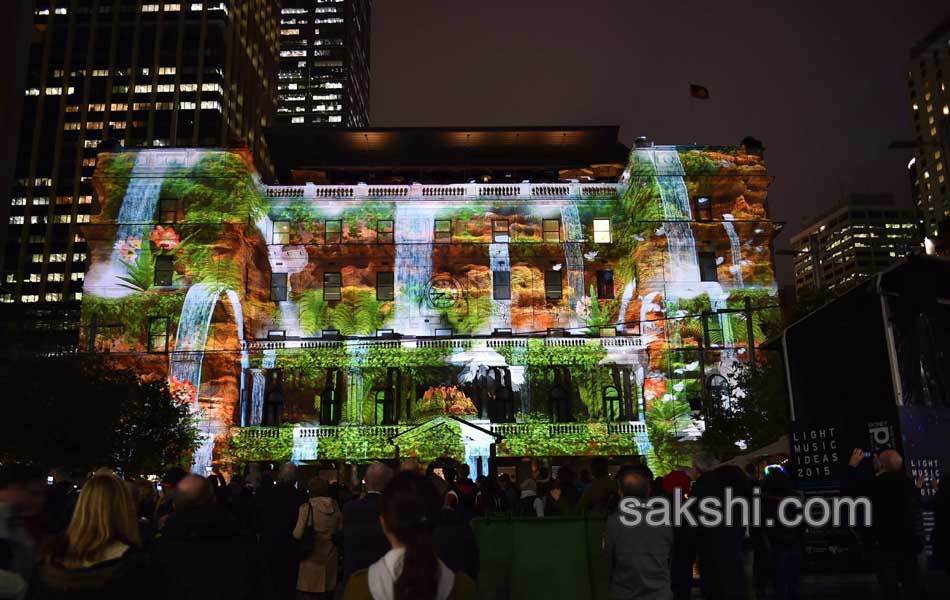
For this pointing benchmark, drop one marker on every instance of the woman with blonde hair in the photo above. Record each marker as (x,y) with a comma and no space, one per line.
(100,554)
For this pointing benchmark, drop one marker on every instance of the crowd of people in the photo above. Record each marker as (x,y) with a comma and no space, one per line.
(408,534)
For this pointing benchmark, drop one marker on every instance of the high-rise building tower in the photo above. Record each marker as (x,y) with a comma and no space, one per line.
(138,73)
(324,62)
(857,238)
(928,97)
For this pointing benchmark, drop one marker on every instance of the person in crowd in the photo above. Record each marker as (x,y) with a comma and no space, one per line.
(718,549)
(278,508)
(410,464)
(201,554)
(638,556)
(465,490)
(166,497)
(678,483)
(21,496)
(100,556)
(61,501)
(543,478)
(455,541)
(449,474)
(317,575)
(489,500)
(940,538)
(584,481)
(530,504)
(438,481)
(240,503)
(895,520)
(410,509)
(509,490)
(596,499)
(568,497)
(145,498)
(363,540)
(778,549)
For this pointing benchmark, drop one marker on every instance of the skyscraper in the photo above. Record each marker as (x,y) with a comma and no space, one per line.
(857,238)
(142,73)
(324,62)
(928,97)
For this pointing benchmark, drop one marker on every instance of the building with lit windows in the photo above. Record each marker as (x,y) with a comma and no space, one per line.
(139,74)
(857,238)
(324,62)
(494,293)
(928,97)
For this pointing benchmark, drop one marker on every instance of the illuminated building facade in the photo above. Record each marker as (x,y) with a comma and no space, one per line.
(856,239)
(928,97)
(324,62)
(489,317)
(147,73)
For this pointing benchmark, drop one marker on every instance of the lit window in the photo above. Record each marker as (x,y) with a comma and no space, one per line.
(443,231)
(278,287)
(551,229)
(158,334)
(499,231)
(501,285)
(332,286)
(384,232)
(385,286)
(601,231)
(281,232)
(552,285)
(333,232)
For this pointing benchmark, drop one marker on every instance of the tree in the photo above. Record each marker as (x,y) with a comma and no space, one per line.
(80,412)
(753,411)
(666,420)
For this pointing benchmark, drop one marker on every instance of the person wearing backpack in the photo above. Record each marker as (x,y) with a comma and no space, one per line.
(530,504)
(317,521)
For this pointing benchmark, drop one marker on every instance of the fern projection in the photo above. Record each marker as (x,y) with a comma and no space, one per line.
(141,273)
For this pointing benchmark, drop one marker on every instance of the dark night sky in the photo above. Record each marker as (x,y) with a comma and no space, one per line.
(818,82)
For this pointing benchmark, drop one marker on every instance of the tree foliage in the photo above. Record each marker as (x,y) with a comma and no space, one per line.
(79,413)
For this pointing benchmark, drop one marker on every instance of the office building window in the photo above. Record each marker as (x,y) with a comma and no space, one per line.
(551,230)
(443,231)
(158,334)
(605,284)
(499,231)
(501,285)
(281,232)
(703,209)
(385,286)
(164,270)
(601,231)
(333,232)
(167,210)
(552,285)
(332,286)
(384,232)
(278,287)
(707,266)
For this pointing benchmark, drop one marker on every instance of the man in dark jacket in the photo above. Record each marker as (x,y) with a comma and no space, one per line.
(718,549)
(638,556)
(363,540)
(277,511)
(895,521)
(599,497)
(201,552)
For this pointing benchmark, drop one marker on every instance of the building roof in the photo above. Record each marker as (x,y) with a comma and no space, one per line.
(296,148)
(926,43)
(856,201)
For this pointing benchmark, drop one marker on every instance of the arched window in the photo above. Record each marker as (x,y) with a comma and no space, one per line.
(382,402)
(612,403)
(720,394)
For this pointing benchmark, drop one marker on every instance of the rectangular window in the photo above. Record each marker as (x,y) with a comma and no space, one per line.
(605,284)
(281,232)
(499,231)
(158,334)
(551,230)
(164,270)
(707,266)
(552,285)
(501,285)
(384,232)
(278,287)
(443,231)
(332,286)
(167,210)
(601,231)
(333,232)
(385,286)
(714,328)
(703,209)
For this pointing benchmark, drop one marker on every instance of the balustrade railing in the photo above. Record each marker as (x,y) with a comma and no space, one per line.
(633,341)
(471,190)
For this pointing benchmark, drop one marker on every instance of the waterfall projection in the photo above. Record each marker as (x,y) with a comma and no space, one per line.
(190,344)
(414,230)
(573,254)
(625,302)
(677,214)
(500,261)
(735,248)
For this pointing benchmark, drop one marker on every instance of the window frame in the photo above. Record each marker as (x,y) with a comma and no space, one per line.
(501,290)
(703,208)
(385,234)
(549,293)
(284,235)
(497,233)
(602,279)
(382,285)
(164,210)
(706,261)
(442,237)
(274,286)
(545,231)
(153,336)
(616,399)
(609,231)
(338,232)
(332,292)
(164,265)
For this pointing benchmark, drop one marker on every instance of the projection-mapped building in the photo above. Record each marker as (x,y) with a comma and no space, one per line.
(474,318)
